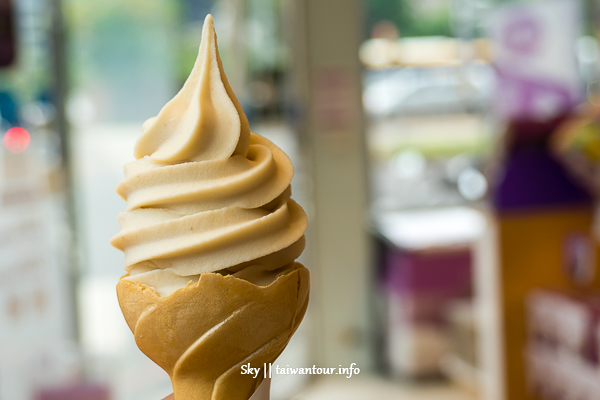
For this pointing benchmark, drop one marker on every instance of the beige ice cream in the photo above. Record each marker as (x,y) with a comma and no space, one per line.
(210,238)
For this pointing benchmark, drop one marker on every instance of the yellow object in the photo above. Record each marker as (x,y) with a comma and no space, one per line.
(533,254)
(210,238)
(202,334)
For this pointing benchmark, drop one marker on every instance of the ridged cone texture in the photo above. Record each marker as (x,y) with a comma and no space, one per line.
(202,334)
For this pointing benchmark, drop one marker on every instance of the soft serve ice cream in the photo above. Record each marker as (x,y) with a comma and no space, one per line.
(205,194)
(210,238)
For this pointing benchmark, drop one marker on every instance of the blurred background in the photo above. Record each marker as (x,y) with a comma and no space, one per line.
(447,153)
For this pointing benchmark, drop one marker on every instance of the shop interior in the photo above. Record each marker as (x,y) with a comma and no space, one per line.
(447,153)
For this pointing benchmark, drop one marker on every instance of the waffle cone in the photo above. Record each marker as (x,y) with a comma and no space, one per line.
(203,333)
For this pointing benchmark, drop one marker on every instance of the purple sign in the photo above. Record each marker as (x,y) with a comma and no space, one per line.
(523,35)
(534,55)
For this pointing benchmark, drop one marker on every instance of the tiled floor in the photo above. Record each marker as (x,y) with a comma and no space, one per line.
(370,388)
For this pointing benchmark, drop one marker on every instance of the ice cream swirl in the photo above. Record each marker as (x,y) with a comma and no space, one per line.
(205,194)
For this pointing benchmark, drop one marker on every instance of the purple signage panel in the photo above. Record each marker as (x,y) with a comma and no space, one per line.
(534,55)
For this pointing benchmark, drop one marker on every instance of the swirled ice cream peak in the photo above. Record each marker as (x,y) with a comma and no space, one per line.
(204,121)
(204,194)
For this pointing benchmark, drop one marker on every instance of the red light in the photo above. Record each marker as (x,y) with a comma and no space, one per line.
(16,139)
